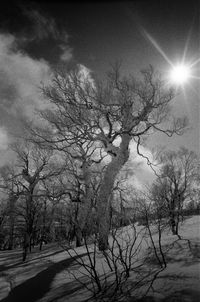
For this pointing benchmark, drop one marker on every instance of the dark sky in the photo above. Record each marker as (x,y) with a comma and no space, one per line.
(34,36)
(102,32)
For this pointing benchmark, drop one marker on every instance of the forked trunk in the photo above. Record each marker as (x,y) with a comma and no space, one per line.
(106,188)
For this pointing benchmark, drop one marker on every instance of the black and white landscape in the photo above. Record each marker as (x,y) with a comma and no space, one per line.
(99,151)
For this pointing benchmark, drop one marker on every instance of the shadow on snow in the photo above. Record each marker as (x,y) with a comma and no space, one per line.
(36,287)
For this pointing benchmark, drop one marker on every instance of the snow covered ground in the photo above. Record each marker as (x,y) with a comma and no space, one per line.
(45,276)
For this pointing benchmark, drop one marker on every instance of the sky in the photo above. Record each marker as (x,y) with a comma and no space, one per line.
(36,37)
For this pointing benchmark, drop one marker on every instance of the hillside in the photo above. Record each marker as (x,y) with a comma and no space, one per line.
(45,275)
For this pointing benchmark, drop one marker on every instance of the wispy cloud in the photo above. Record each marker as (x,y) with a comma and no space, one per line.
(66,53)
(137,172)
(4,142)
(20,78)
(42,26)
(45,27)
(3,139)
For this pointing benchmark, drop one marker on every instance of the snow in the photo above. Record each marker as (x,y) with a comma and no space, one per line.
(48,275)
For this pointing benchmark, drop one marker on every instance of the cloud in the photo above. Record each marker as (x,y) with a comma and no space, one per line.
(66,53)
(137,172)
(86,75)
(4,142)
(20,78)
(141,161)
(3,139)
(45,27)
(42,26)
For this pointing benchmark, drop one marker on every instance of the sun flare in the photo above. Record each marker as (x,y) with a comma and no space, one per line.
(180,74)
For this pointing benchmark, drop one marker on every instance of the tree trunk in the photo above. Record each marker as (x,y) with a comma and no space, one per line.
(173,225)
(179,210)
(53,231)
(13,198)
(26,245)
(41,241)
(177,224)
(84,208)
(105,192)
(30,243)
(11,235)
(172,216)
(79,237)
(43,228)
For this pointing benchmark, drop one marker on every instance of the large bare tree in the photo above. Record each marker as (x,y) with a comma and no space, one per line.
(89,120)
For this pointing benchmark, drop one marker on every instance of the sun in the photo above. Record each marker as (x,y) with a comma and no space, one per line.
(180,74)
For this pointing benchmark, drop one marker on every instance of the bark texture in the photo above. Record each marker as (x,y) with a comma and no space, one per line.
(103,202)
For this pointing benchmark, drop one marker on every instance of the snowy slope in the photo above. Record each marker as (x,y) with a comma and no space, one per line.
(45,276)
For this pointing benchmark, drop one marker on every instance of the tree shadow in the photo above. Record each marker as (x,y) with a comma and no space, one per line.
(64,291)
(185,295)
(36,287)
(186,253)
(10,256)
(4,268)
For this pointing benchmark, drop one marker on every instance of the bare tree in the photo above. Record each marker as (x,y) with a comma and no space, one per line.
(35,165)
(3,214)
(175,184)
(105,117)
(12,188)
(52,191)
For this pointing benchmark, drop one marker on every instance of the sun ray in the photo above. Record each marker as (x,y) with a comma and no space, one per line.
(181,72)
(157,47)
(194,90)
(195,62)
(186,47)
(195,77)
(184,93)
(187,42)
